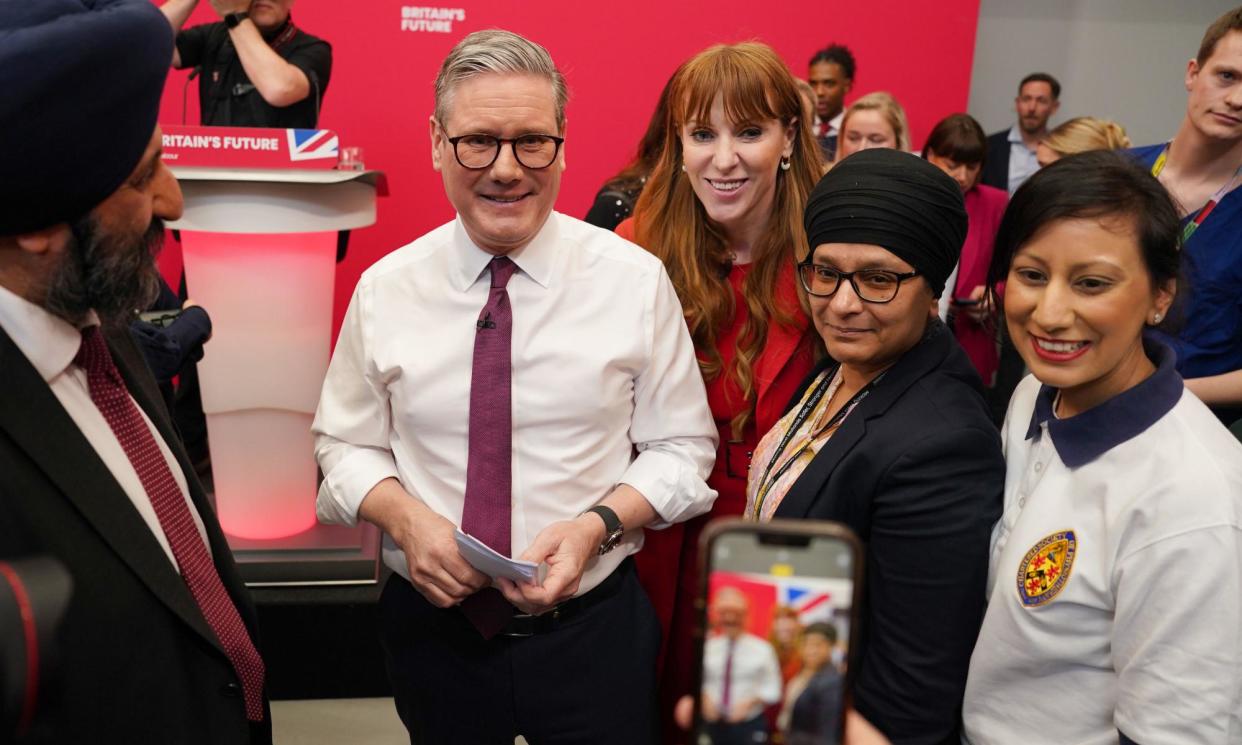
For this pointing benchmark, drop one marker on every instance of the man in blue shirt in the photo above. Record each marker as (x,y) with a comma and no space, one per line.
(1202,168)
(1011,152)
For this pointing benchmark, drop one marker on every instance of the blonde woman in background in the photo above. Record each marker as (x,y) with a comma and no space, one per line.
(875,120)
(1080,135)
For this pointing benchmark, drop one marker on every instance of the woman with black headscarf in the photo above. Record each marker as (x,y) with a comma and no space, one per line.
(891,436)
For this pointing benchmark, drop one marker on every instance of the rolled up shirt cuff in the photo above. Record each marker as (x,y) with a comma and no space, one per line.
(349,482)
(672,487)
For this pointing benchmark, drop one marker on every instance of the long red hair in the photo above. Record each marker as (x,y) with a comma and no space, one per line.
(755,86)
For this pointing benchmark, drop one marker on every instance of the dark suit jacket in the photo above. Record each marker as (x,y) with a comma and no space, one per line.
(916,471)
(816,715)
(138,662)
(996,163)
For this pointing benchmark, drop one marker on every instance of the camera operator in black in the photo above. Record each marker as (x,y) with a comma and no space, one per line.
(256,67)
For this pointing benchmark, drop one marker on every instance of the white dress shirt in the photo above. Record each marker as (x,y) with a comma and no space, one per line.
(1142,632)
(834,124)
(50,343)
(606,388)
(754,673)
(1022,160)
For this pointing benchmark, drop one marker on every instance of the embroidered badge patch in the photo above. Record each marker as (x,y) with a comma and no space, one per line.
(1046,568)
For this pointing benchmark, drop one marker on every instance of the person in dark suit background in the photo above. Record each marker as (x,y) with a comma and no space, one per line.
(172,339)
(815,697)
(891,436)
(830,74)
(1011,155)
(158,644)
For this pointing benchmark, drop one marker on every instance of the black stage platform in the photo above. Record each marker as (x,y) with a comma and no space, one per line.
(322,642)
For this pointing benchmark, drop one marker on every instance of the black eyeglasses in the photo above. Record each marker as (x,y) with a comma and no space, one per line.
(870,285)
(479,151)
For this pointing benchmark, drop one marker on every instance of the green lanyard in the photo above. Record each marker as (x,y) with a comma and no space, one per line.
(1193,224)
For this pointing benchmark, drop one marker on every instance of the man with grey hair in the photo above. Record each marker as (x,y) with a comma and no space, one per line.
(525,379)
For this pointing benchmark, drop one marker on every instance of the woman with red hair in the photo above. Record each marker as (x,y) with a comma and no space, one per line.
(723,210)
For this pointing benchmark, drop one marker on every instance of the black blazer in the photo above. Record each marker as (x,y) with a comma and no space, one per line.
(996,163)
(916,471)
(137,661)
(815,717)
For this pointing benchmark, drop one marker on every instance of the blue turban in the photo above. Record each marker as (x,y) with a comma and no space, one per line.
(894,200)
(80,86)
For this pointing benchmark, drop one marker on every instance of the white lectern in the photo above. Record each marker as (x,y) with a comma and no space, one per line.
(259,249)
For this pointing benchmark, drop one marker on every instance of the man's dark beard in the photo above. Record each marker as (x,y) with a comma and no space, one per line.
(1037,130)
(100,273)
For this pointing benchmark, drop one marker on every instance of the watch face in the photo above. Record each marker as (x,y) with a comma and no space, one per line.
(610,541)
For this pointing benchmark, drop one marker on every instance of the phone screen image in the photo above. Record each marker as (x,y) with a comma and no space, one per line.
(778,615)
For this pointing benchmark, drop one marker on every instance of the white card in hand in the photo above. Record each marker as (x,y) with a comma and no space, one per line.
(482,557)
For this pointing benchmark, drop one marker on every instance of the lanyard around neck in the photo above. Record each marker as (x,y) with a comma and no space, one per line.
(809,406)
(1193,224)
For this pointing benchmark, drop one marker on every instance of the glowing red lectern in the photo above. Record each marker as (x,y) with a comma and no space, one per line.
(259,236)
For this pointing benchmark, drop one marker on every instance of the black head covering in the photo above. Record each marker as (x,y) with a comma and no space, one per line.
(895,200)
(80,86)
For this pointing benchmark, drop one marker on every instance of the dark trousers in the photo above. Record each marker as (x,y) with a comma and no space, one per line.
(590,681)
(750,732)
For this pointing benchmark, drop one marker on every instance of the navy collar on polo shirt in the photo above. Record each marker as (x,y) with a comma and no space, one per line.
(1084,437)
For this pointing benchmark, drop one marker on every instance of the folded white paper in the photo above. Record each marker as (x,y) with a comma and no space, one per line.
(482,557)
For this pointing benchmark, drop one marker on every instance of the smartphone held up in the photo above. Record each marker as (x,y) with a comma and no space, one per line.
(777,614)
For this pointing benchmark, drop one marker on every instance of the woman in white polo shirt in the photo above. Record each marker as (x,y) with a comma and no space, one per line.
(1115,583)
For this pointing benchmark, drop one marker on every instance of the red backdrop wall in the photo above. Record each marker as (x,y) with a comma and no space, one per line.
(616,58)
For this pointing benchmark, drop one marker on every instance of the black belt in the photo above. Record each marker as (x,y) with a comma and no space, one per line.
(525,624)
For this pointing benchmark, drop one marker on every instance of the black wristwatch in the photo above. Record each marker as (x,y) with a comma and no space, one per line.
(613,526)
(233,19)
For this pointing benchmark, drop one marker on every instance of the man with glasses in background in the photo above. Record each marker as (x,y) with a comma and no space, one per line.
(529,379)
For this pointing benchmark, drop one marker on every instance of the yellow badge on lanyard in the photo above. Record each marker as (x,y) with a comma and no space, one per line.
(1046,568)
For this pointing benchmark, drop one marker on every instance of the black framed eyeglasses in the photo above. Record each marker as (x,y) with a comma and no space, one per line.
(479,151)
(870,285)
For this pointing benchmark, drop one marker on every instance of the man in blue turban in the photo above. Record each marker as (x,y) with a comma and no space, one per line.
(158,642)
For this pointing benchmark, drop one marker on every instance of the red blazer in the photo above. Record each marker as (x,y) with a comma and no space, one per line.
(667,564)
(786,358)
(984,207)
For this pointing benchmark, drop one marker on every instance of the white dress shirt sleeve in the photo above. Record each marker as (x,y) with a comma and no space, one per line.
(769,689)
(352,425)
(672,427)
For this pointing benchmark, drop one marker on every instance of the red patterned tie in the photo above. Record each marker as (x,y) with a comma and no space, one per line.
(488,511)
(110,396)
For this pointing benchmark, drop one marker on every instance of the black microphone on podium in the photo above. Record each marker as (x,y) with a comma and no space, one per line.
(185,89)
(314,81)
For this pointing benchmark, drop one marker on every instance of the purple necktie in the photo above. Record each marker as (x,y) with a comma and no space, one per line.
(487,514)
(727,686)
(108,391)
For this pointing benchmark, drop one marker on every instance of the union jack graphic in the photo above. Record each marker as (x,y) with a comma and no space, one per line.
(814,598)
(812,603)
(313,144)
